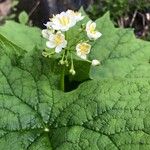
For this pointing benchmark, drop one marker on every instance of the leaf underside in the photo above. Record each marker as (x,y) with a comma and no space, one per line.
(111,112)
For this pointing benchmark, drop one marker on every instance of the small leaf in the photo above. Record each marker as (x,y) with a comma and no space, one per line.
(23,17)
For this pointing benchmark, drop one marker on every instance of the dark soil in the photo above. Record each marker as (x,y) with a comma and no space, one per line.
(139,20)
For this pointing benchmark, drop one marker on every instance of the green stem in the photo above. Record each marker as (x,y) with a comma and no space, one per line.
(62,81)
(72,66)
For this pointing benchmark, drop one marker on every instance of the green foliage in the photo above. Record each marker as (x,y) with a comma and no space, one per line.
(23,17)
(12,15)
(117,8)
(23,36)
(104,113)
(120,53)
(11,49)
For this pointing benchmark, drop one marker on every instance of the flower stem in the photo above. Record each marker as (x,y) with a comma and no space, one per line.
(62,80)
(72,66)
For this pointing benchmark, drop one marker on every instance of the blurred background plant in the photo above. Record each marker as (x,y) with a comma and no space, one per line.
(124,13)
(8,9)
(117,8)
(14,4)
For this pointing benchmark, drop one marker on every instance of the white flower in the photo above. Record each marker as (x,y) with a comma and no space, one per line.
(95,62)
(62,22)
(83,49)
(91,31)
(49,31)
(46,33)
(76,15)
(57,41)
(48,25)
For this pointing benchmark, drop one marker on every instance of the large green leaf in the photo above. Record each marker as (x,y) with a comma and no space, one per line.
(98,115)
(106,114)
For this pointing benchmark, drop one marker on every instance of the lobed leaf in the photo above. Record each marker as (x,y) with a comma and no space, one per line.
(34,115)
(111,112)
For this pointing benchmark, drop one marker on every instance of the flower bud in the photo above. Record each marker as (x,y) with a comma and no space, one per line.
(46,130)
(66,63)
(95,62)
(72,71)
(61,62)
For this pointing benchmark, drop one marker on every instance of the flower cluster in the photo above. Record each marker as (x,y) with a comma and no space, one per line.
(58,42)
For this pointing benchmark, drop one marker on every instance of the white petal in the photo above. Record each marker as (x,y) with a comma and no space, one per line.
(48,24)
(78,48)
(64,44)
(65,28)
(82,56)
(88,25)
(91,36)
(76,16)
(98,35)
(50,44)
(62,14)
(69,11)
(93,24)
(58,49)
(51,38)
(44,33)
(56,26)
(59,32)
(94,36)
(79,18)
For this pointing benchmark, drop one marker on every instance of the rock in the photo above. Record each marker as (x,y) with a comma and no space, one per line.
(5,6)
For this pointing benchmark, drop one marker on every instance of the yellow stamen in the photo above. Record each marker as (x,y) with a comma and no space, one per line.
(84,48)
(92,29)
(64,20)
(58,39)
